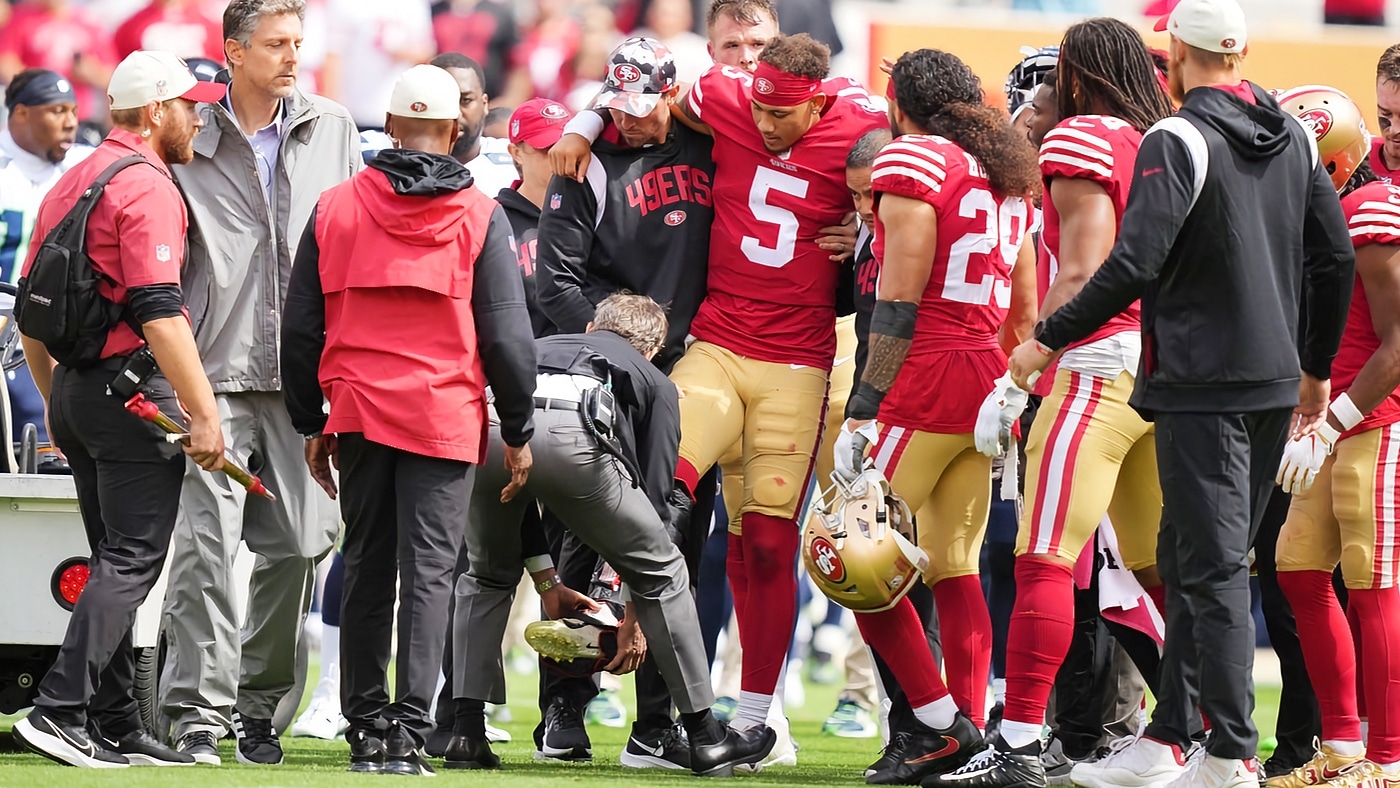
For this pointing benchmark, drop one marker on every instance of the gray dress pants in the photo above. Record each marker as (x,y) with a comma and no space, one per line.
(212,667)
(594,498)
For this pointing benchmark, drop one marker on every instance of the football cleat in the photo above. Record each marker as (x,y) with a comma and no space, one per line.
(998,766)
(1326,765)
(579,645)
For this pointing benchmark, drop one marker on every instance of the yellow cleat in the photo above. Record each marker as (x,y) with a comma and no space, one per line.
(1365,775)
(1326,766)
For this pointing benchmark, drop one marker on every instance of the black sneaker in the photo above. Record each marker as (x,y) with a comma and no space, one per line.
(993,728)
(258,744)
(366,751)
(200,745)
(142,749)
(667,749)
(1056,762)
(403,754)
(931,751)
(997,766)
(564,736)
(892,755)
(735,749)
(436,745)
(69,745)
(466,752)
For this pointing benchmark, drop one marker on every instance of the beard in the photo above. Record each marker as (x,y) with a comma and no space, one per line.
(466,139)
(178,150)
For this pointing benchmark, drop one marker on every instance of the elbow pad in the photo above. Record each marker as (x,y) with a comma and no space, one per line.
(155,302)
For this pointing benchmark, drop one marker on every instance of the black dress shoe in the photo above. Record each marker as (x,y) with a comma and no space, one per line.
(436,745)
(366,751)
(734,748)
(403,754)
(467,752)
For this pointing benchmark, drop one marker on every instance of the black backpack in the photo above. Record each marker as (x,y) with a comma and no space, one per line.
(58,302)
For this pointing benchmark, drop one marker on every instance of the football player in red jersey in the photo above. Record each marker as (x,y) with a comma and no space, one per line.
(950,215)
(1346,482)
(1088,453)
(1385,149)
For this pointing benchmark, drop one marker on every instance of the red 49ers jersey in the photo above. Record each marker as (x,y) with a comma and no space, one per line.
(954,358)
(1097,148)
(1373,215)
(771,289)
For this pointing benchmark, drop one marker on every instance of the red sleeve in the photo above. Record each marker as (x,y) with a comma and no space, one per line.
(127,39)
(718,94)
(1080,148)
(1373,214)
(151,222)
(914,167)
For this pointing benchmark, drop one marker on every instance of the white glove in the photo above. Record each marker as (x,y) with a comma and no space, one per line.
(998,413)
(849,449)
(1303,458)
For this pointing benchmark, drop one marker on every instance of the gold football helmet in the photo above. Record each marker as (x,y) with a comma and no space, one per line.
(858,544)
(1336,123)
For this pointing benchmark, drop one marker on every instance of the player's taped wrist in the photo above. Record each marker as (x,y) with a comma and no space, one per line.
(1348,415)
(893,319)
(588,125)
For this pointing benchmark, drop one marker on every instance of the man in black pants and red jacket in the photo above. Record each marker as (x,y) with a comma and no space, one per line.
(1231,217)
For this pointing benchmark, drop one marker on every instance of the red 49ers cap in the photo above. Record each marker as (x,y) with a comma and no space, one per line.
(538,123)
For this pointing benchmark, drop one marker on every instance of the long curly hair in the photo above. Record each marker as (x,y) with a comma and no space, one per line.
(938,93)
(1106,68)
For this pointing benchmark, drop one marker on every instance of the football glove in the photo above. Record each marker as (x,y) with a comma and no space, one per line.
(1303,458)
(998,413)
(849,449)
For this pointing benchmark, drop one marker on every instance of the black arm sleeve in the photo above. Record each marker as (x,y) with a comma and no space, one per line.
(533,541)
(304,336)
(155,302)
(503,332)
(564,244)
(1157,207)
(1329,263)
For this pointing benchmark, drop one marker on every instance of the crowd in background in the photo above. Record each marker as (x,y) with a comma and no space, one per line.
(355,49)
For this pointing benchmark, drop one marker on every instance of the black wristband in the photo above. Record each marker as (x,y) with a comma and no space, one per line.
(864,403)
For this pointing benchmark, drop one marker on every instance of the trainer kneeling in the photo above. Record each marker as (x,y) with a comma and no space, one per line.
(602,411)
(404,303)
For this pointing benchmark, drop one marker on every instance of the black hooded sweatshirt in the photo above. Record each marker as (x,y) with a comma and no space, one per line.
(1230,217)
(524,219)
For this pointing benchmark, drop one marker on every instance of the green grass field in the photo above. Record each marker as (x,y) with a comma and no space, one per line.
(311,763)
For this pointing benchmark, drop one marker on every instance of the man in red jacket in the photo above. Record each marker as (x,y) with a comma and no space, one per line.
(404,303)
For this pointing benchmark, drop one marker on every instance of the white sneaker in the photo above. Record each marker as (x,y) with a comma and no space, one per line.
(497,735)
(321,720)
(784,752)
(1136,762)
(1208,771)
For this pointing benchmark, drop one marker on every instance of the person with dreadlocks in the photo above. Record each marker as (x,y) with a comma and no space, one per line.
(951,211)
(1089,453)
(1344,478)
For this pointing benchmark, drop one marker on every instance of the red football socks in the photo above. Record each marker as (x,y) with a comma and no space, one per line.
(738,580)
(1042,627)
(898,637)
(770,608)
(966,632)
(1328,650)
(1378,611)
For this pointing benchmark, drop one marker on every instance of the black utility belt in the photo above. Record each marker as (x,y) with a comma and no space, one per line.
(550,403)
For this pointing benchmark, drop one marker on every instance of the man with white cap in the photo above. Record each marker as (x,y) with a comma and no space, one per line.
(411,243)
(128,477)
(1231,218)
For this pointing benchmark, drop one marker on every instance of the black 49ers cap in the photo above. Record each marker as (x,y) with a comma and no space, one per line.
(640,70)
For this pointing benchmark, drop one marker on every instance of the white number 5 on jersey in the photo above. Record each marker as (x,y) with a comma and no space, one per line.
(781,253)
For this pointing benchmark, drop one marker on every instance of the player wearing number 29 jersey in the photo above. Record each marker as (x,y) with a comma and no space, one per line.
(950,216)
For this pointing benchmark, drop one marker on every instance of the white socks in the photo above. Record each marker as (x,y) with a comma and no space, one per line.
(1350,749)
(1019,734)
(330,663)
(940,714)
(999,691)
(752,711)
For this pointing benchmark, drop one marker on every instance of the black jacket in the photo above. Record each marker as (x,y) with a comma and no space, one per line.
(1230,216)
(650,235)
(524,219)
(498,307)
(857,294)
(648,420)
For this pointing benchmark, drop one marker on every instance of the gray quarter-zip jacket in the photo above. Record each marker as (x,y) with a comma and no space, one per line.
(241,248)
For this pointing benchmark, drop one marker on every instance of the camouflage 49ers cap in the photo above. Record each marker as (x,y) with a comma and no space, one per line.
(640,70)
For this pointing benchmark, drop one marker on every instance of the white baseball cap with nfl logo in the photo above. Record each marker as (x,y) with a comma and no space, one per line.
(151,75)
(1212,25)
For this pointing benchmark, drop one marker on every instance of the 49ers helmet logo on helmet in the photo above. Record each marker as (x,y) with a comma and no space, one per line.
(827,562)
